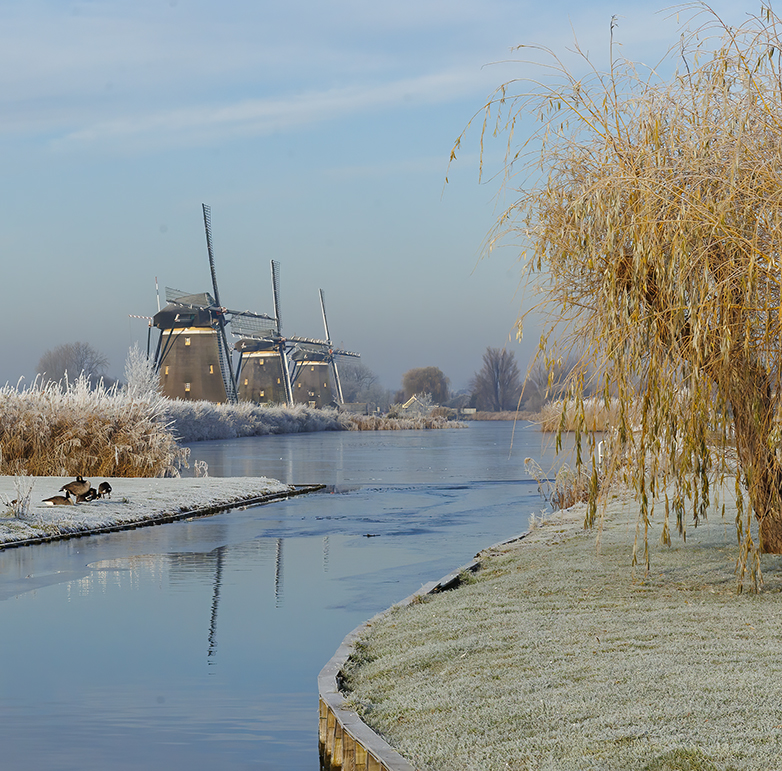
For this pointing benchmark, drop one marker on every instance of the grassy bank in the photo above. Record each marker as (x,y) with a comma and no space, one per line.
(556,656)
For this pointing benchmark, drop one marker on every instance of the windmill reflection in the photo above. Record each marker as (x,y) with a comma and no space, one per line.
(278,574)
(218,580)
(218,558)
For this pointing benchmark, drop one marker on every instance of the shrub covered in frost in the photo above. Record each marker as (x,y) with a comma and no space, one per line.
(193,421)
(69,428)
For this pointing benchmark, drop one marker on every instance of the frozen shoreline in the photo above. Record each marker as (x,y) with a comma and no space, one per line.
(135,502)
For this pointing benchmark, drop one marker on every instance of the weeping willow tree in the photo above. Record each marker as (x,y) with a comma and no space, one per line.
(652,218)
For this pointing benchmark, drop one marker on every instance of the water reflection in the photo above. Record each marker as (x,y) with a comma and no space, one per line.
(197,644)
(215,601)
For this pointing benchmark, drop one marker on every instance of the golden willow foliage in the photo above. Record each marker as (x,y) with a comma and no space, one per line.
(655,231)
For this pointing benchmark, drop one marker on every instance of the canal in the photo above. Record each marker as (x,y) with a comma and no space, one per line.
(197,644)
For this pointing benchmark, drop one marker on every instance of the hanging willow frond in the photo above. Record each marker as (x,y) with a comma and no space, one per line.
(655,211)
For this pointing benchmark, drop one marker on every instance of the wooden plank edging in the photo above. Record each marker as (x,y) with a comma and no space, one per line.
(345,741)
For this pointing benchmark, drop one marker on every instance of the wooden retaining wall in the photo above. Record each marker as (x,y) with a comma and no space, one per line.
(345,742)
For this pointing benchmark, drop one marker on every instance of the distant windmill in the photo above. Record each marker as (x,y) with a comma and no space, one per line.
(264,368)
(193,346)
(299,364)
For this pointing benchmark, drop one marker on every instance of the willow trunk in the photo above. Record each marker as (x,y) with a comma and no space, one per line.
(752,411)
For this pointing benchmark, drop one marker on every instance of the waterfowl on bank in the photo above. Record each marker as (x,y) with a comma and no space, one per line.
(79,487)
(90,495)
(59,500)
(104,490)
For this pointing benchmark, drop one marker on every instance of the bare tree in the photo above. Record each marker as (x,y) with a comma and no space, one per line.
(73,359)
(426,380)
(547,381)
(653,209)
(356,379)
(497,385)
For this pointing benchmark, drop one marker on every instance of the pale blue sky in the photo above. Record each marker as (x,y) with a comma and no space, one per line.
(319,132)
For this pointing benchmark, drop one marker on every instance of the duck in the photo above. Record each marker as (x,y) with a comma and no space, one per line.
(90,495)
(59,500)
(79,487)
(104,490)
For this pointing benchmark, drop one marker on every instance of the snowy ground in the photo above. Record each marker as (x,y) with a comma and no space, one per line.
(134,501)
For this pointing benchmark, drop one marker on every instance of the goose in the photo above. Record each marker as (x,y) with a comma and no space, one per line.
(79,487)
(59,500)
(90,495)
(104,490)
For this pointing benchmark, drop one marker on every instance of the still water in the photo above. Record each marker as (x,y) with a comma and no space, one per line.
(197,645)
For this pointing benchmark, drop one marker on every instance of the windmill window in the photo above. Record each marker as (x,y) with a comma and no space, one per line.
(262,393)
(261,362)
(211,369)
(312,404)
(278,381)
(245,382)
(187,387)
(312,369)
(166,372)
(298,385)
(187,341)
(325,386)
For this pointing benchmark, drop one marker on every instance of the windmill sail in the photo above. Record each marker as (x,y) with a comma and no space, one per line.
(224,352)
(286,374)
(333,360)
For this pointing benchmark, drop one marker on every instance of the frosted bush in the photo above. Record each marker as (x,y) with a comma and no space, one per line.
(141,380)
(193,421)
(19,507)
(69,428)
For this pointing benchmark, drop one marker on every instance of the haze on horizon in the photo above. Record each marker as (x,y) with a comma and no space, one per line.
(319,134)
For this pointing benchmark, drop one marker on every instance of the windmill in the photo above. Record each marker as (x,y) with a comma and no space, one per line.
(299,364)
(193,356)
(264,366)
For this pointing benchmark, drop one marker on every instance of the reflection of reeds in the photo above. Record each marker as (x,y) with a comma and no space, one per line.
(565,415)
(67,429)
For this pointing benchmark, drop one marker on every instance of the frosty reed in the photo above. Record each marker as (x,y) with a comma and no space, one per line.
(69,428)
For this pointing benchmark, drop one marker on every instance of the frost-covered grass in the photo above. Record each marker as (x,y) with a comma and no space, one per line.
(132,501)
(557,656)
(64,429)
(194,421)
(382,423)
